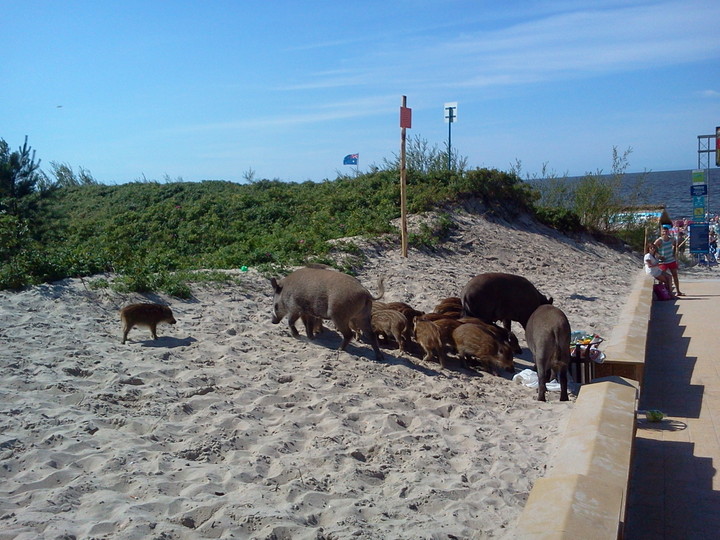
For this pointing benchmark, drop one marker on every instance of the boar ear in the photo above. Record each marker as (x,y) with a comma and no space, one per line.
(276,287)
(550,300)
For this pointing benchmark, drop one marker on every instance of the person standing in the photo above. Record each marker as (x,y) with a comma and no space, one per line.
(667,255)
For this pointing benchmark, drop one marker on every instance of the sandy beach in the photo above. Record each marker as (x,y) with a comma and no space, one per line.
(228,427)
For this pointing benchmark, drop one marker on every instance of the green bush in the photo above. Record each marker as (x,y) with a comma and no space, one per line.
(150,234)
(561,219)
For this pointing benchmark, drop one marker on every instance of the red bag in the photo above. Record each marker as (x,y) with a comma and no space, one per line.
(661,293)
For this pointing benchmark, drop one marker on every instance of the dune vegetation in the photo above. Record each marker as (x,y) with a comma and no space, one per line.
(157,235)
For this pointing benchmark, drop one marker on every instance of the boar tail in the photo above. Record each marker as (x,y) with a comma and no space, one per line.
(381,289)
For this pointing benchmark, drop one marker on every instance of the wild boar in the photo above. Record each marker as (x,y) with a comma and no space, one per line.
(501,297)
(427,335)
(548,337)
(410,315)
(325,294)
(471,341)
(432,316)
(145,314)
(497,332)
(390,323)
(452,303)
(446,327)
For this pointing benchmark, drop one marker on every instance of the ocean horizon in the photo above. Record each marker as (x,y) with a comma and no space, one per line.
(668,189)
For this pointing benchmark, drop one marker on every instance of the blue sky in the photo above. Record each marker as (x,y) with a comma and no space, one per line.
(215,89)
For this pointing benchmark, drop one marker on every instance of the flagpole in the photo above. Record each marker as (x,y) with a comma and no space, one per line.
(403,194)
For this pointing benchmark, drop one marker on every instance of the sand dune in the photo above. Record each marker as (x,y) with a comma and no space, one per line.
(228,427)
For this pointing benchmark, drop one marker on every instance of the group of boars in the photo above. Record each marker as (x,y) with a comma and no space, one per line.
(464,326)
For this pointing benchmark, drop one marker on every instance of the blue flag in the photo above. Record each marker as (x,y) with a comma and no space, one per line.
(351,159)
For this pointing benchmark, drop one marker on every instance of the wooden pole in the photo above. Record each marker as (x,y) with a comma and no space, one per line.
(403,190)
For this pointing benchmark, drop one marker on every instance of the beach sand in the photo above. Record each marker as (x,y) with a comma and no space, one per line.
(228,427)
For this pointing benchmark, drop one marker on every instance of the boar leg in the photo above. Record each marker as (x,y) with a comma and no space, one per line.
(309,322)
(543,377)
(346,331)
(153,330)
(563,377)
(126,329)
(292,319)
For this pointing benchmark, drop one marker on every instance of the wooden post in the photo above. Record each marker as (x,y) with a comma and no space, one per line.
(403,189)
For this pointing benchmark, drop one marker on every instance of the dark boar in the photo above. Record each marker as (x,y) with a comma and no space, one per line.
(145,314)
(325,294)
(471,341)
(548,337)
(427,335)
(501,297)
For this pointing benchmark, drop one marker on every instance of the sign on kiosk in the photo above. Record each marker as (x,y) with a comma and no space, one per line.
(698,191)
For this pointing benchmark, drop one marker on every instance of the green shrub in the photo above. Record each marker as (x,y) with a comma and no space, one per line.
(561,219)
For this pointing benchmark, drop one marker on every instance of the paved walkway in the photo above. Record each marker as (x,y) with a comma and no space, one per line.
(674,488)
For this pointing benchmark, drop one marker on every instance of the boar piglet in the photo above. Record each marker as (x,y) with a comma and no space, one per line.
(452,303)
(427,335)
(471,341)
(325,294)
(496,331)
(390,323)
(410,315)
(145,314)
(446,328)
(548,337)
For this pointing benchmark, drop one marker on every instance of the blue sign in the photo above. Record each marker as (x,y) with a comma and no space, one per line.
(698,190)
(699,234)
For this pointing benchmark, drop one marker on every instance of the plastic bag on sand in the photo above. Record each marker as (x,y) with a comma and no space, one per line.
(529,378)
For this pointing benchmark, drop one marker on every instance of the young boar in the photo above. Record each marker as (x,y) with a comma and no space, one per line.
(453,303)
(471,341)
(427,335)
(446,328)
(145,314)
(390,323)
(497,332)
(410,315)
(325,294)
(548,337)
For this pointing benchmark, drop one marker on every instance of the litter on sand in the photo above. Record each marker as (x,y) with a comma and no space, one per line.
(529,378)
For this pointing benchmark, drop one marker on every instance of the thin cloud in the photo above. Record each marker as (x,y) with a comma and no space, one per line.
(323,112)
(712,94)
(587,42)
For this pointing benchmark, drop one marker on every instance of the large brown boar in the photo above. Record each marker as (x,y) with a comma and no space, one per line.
(427,335)
(326,294)
(145,314)
(548,337)
(471,341)
(501,297)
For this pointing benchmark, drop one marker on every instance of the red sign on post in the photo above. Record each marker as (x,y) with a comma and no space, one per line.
(405,117)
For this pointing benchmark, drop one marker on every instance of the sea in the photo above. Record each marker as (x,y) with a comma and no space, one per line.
(669,189)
